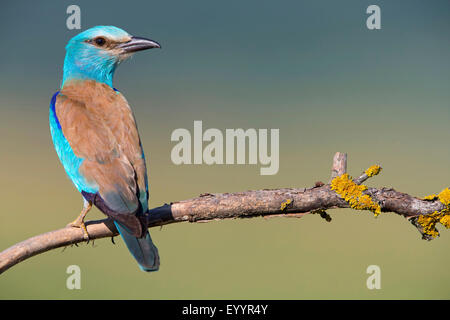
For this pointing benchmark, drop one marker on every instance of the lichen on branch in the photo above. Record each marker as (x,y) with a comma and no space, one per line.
(373,170)
(428,222)
(354,194)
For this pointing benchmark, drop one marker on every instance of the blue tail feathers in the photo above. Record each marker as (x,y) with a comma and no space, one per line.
(142,249)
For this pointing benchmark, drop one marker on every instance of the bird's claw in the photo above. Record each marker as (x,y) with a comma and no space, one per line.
(80,224)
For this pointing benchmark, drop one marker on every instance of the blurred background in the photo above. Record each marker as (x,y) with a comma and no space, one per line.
(311,69)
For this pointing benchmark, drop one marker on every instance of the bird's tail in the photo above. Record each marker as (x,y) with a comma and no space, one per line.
(142,249)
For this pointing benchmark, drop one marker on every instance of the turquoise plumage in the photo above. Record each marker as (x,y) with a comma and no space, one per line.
(65,153)
(95,136)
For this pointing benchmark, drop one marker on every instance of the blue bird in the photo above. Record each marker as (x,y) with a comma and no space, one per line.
(95,136)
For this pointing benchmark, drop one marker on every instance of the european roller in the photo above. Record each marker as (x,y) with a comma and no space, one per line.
(96,138)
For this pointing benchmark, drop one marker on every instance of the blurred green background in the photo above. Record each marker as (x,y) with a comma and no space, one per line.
(310,68)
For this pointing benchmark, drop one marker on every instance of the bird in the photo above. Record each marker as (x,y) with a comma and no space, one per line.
(96,138)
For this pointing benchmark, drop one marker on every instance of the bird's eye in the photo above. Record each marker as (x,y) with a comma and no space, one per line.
(100,41)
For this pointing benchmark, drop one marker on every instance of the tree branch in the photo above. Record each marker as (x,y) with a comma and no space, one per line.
(287,202)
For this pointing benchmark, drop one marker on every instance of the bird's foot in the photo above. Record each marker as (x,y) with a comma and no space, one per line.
(79,223)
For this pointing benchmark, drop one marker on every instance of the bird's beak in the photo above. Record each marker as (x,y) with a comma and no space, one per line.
(138,44)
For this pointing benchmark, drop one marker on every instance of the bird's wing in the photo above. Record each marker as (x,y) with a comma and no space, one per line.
(100,128)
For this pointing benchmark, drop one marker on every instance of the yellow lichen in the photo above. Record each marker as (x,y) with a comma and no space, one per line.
(353,194)
(445,221)
(428,222)
(285,204)
(444,197)
(373,171)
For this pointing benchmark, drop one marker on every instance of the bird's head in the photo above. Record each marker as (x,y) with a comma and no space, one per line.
(95,53)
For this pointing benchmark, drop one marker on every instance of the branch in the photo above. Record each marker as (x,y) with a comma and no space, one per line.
(287,202)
